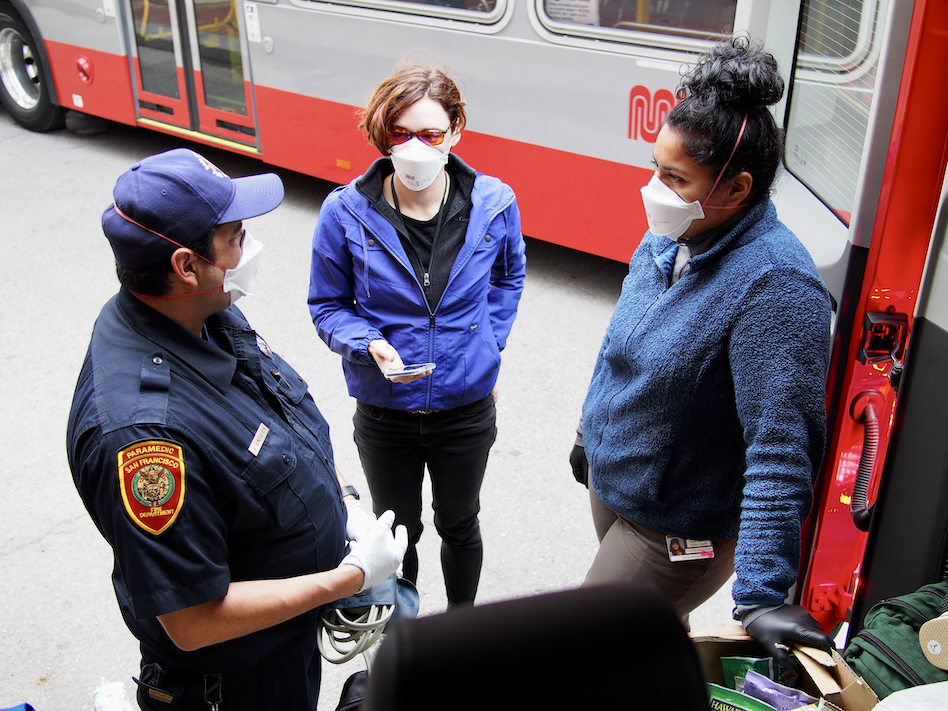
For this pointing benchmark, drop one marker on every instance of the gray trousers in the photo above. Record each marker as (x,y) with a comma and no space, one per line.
(629,551)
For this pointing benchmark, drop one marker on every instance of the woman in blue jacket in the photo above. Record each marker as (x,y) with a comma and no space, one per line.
(421,261)
(705,417)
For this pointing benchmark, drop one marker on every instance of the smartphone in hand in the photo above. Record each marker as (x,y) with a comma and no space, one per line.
(409,370)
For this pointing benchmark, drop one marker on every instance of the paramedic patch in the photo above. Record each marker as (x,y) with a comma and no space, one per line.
(151,477)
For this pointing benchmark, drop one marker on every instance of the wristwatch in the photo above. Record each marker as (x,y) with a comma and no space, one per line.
(350,490)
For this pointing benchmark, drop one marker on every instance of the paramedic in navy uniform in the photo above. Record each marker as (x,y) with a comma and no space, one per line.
(204,461)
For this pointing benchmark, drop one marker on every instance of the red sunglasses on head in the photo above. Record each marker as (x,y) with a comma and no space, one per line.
(431,136)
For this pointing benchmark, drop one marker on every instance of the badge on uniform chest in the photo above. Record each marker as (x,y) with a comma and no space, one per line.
(257,442)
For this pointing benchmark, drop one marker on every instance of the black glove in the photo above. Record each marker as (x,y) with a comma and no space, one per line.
(783,625)
(577,459)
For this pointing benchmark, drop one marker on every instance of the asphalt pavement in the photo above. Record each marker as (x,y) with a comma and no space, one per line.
(61,633)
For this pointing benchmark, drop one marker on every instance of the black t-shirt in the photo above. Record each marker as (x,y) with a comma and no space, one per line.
(418,236)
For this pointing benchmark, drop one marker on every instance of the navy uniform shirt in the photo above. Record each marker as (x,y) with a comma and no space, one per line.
(201,462)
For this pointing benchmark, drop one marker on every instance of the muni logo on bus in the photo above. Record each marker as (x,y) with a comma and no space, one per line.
(647,111)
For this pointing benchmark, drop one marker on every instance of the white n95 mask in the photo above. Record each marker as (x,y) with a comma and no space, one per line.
(240,280)
(667,212)
(417,164)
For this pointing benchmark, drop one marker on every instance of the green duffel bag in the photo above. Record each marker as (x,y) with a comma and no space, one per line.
(886,652)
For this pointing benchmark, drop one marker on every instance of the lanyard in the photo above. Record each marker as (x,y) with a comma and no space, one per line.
(437,234)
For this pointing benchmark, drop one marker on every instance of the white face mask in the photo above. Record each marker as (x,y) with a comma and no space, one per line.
(667,212)
(418,164)
(240,280)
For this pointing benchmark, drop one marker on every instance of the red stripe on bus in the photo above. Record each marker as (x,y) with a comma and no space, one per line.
(108,94)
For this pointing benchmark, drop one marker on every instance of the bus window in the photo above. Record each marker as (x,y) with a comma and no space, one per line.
(481,11)
(218,48)
(221,63)
(475,5)
(153,35)
(677,17)
(831,97)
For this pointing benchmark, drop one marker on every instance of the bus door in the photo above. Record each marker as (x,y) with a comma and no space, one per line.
(908,539)
(189,68)
(866,137)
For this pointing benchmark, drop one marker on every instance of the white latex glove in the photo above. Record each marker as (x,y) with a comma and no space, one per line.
(378,553)
(358,520)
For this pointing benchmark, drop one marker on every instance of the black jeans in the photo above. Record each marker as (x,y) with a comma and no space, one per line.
(396,445)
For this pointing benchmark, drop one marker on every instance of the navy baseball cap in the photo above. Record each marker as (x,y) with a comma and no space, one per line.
(172,199)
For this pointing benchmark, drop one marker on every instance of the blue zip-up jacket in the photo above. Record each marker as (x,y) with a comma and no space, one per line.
(363,287)
(705,417)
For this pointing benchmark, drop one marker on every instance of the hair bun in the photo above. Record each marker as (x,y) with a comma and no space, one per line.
(738,73)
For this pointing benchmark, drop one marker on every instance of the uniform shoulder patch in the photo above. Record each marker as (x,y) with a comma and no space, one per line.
(151,479)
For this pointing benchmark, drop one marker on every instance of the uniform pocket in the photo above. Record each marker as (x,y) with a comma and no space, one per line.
(274,460)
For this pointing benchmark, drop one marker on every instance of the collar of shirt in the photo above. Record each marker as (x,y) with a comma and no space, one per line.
(205,358)
(701,243)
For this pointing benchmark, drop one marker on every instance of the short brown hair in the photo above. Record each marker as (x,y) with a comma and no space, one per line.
(408,84)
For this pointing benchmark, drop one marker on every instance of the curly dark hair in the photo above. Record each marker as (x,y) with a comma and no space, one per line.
(734,79)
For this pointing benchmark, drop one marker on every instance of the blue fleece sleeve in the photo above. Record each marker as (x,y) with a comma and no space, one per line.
(779,353)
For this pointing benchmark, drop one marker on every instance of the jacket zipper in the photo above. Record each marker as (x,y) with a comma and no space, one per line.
(424,294)
(431,329)
(645,313)
(431,319)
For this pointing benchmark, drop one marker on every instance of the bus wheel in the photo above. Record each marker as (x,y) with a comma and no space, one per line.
(22,90)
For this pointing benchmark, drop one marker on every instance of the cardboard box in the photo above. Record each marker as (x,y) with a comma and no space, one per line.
(823,675)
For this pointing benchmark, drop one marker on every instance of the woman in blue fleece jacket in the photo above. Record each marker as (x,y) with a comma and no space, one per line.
(705,417)
(421,260)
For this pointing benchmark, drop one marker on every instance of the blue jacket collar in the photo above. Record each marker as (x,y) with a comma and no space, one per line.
(353,196)
(737,232)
